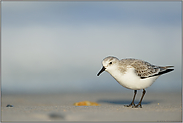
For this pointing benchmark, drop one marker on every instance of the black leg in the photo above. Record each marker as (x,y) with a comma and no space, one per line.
(139,104)
(132,103)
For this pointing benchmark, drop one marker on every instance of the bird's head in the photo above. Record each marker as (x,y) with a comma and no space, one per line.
(108,63)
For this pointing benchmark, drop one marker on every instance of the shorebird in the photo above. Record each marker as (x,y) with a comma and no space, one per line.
(133,74)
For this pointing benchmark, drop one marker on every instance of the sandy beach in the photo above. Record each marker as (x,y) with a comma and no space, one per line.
(59,107)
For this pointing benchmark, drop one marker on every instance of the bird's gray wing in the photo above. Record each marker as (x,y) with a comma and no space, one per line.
(144,69)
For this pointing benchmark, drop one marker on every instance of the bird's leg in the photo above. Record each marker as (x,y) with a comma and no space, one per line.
(139,104)
(132,103)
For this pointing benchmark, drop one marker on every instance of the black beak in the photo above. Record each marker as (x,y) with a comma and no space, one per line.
(103,69)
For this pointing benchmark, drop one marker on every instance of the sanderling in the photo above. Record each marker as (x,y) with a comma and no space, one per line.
(133,74)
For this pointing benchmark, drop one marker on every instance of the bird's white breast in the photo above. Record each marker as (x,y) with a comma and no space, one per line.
(130,80)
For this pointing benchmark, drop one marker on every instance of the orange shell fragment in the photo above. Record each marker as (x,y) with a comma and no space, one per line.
(86,103)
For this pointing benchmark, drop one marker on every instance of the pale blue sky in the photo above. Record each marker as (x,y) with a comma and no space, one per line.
(59,46)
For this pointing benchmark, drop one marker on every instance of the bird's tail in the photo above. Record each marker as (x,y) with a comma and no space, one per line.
(165,69)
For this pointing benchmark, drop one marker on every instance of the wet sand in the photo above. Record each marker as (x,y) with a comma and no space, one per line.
(59,107)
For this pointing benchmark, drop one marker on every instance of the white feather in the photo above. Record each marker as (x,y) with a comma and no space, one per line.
(130,79)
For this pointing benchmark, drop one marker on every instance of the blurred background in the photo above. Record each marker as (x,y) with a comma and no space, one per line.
(53,47)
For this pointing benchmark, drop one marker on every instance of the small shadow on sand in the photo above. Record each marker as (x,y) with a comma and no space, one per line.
(123,102)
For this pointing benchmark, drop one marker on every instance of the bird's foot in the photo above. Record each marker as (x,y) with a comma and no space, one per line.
(138,105)
(134,106)
(130,105)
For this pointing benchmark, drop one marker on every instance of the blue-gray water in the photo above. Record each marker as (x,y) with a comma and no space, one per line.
(59,46)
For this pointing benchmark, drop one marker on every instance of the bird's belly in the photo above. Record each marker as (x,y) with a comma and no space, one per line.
(137,84)
(132,81)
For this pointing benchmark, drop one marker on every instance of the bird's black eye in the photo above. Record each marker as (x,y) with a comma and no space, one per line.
(110,63)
